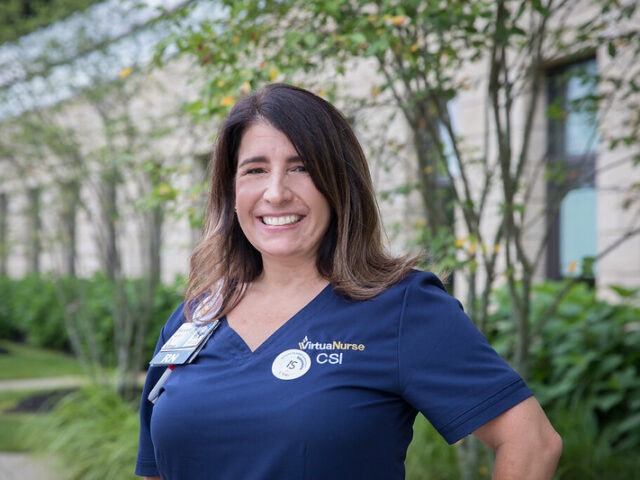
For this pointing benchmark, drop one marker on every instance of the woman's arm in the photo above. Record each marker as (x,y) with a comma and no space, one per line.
(525,443)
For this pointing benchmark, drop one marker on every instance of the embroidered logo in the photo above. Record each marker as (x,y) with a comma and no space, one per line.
(291,364)
(307,344)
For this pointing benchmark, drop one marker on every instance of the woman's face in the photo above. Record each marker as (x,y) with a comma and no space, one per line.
(279,208)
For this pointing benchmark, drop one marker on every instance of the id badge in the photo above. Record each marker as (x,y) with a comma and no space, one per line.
(185,344)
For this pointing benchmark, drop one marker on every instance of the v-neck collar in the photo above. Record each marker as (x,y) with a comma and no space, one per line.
(242,348)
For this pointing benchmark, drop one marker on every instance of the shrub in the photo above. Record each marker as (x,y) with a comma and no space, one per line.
(584,353)
(9,326)
(429,456)
(40,310)
(587,452)
(30,311)
(93,434)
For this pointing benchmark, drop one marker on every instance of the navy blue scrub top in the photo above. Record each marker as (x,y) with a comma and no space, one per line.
(333,393)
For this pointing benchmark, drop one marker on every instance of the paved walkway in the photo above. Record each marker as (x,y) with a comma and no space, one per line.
(48,383)
(22,466)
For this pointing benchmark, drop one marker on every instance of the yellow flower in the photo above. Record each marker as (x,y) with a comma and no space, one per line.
(400,20)
(245,88)
(573,265)
(414,48)
(227,101)
(125,72)
(459,243)
(375,91)
(273,73)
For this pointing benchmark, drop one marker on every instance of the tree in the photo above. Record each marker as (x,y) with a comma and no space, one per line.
(428,54)
(425,52)
(104,156)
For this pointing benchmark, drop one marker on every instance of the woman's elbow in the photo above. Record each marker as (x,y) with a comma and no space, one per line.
(552,448)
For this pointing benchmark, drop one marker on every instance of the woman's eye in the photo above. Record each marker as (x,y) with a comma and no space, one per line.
(299,168)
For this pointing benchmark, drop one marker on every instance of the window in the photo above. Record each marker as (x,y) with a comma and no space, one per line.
(571,199)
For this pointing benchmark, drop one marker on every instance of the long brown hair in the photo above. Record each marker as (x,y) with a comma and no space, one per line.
(351,256)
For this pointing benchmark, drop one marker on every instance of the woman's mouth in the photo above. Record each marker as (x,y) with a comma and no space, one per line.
(282,220)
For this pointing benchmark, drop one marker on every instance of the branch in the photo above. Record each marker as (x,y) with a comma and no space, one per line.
(617,242)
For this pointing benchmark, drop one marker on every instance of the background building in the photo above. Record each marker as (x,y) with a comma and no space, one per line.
(101,167)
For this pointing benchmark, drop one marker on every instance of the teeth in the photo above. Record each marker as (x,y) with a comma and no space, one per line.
(286,220)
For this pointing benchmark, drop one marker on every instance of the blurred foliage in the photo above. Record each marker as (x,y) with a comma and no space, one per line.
(430,457)
(92,432)
(274,41)
(584,355)
(12,438)
(585,373)
(21,17)
(587,451)
(38,310)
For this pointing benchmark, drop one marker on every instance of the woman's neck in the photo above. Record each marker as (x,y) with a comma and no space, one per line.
(282,276)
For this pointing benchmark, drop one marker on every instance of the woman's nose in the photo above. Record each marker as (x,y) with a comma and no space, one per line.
(277,190)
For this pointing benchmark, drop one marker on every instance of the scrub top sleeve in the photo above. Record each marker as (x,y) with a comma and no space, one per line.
(146,461)
(447,369)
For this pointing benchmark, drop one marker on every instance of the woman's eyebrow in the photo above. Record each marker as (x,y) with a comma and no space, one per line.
(250,160)
(263,159)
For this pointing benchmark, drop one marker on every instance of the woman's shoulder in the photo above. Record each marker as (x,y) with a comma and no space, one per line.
(414,282)
(174,321)
(423,287)
(421,278)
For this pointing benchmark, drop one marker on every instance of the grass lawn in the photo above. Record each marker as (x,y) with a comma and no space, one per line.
(27,362)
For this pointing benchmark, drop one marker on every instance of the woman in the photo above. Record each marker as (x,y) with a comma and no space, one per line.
(327,346)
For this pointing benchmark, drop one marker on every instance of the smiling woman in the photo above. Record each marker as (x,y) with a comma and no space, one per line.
(327,346)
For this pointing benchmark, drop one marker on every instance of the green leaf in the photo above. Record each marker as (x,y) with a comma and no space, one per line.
(311,39)
(358,38)
(608,401)
(625,292)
